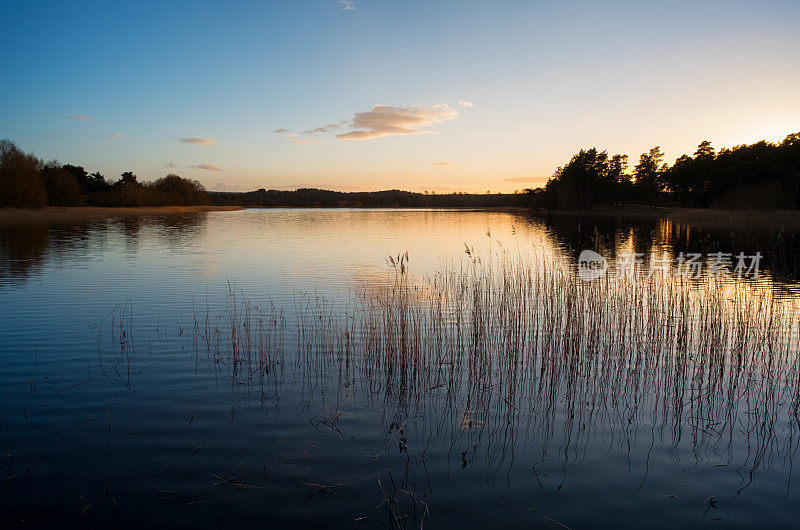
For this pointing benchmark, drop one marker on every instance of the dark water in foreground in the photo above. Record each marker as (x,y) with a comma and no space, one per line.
(239,368)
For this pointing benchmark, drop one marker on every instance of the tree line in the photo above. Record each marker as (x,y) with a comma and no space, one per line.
(761,175)
(28,182)
(317,198)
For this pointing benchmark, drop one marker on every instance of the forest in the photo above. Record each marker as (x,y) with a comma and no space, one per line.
(762,175)
(28,182)
(316,198)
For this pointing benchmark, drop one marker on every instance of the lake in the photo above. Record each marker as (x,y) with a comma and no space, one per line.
(373,368)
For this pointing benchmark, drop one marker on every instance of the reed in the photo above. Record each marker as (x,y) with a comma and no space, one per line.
(508,344)
(503,340)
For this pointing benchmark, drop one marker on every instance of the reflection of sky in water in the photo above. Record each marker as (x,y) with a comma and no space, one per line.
(280,249)
(267,251)
(470,454)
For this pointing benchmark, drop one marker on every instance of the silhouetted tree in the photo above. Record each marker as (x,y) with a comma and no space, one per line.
(760,175)
(89,183)
(619,181)
(20,179)
(680,179)
(647,174)
(790,160)
(579,183)
(62,188)
(128,180)
(179,190)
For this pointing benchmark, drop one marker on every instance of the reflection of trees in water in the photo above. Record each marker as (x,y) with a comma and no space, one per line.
(170,230)
(25,248)
(611,236)
(492,357)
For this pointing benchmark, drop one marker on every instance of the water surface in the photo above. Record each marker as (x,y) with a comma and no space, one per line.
(238,368)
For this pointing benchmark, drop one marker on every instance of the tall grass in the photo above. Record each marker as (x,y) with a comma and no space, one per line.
(506,345)
(502,335)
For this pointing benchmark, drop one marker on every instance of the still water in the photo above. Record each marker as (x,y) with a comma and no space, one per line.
(262,367)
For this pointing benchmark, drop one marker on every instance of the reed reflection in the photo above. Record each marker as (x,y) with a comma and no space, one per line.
(503,354)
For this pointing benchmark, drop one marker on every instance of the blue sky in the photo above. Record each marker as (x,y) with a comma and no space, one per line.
(414,95)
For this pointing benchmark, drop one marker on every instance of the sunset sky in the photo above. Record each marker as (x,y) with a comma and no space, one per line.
(368,95)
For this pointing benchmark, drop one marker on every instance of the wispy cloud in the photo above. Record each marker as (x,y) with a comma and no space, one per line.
(326,128)
(204,142)
(348,5)
(444,163)
(81,117)
(384,120)
(170,164)
(209,167)
(465,104)
(116,136)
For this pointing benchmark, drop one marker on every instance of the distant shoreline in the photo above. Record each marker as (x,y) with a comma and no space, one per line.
(81,213)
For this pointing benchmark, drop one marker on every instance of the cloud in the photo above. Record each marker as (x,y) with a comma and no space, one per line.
(170,164)
(465,104)
(384,120)
(209,167)
(444,163)
(116,136)
(326,128)
(81,117)
(197,141)
(523,179)
(285,133)
(52,135)
(348,5)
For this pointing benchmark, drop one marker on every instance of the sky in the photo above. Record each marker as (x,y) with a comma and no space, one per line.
(370,95)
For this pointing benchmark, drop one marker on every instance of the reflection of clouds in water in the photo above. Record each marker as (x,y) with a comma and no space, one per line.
(579,372)
(208,267)
(468,420)
(570,363)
